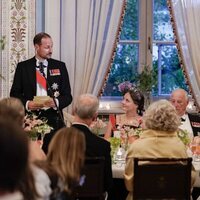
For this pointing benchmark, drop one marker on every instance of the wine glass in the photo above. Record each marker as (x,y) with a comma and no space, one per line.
(195,148)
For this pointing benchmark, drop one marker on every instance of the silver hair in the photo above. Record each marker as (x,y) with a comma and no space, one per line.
(86,106)
(161,115)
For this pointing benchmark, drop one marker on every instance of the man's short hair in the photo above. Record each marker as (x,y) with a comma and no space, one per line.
(38,37)
(86,106)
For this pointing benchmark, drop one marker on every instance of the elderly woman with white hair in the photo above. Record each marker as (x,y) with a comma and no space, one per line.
(159,139)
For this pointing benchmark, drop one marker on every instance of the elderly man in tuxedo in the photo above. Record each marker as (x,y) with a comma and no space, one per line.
(180,100)
(86,109)
(43,76)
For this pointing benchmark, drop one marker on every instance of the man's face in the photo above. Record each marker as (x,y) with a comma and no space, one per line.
(179,101)
(45,49)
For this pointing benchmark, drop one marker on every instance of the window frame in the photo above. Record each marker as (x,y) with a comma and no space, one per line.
(146,43)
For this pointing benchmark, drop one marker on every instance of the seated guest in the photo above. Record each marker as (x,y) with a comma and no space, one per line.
(14,104)
(180,100)
(85,110)
(133,106)
(35,151)
(15,180)
(158,140)
(64,163)
(39,186)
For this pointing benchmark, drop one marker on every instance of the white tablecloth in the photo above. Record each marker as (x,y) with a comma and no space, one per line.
(118,169)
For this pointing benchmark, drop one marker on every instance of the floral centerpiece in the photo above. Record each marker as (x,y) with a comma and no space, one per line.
(114,144)
(128,134)
(35,126)
(98,126)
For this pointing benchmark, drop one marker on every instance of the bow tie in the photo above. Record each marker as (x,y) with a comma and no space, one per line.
(183,119)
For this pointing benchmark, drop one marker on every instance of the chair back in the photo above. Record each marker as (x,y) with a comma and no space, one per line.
(93,185)
(162,178)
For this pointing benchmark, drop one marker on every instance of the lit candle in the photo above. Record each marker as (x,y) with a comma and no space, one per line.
(108,106)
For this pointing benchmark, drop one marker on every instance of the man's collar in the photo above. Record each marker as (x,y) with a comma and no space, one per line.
(183,118)
(79,123)
(45,62)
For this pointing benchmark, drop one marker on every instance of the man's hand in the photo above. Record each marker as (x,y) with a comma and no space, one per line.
(49,103)
(34,106)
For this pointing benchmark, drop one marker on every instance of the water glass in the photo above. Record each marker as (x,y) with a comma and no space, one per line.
(195,149)
(117,134)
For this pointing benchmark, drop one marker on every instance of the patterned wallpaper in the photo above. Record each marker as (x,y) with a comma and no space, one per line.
(18,25)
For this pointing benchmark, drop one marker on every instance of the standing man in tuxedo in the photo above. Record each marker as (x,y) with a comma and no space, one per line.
(43,76)
(86,109)
(179,99)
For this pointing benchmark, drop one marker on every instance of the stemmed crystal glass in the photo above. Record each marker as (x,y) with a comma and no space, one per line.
(195,148)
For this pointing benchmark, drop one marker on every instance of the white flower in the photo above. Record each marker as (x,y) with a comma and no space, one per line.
(33,124)
(98,126)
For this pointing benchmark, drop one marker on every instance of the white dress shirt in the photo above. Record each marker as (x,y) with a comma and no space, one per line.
(40,91)
(185,125)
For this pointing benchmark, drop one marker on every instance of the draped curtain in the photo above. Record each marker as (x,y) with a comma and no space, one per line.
(185,17)
(88,31)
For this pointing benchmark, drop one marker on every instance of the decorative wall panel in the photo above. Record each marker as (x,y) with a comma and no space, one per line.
(18,25)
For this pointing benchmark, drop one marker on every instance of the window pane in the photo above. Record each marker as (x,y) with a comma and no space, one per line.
(170,75)
(162,29)
(123,68)
(165,58)
(130,23)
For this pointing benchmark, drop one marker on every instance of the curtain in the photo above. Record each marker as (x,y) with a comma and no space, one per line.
(88,32)
(185,18)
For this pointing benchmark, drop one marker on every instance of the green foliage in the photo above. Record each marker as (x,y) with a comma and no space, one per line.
(161,20)
(130,22)
(33,135)
(123,68)
(125,65)
(147,79)
(114,144)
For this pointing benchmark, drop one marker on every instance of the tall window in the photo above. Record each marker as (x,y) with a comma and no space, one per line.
(146,39)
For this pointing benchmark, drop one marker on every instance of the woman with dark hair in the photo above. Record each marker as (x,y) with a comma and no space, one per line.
(133,106)
(31,185)
(16,177)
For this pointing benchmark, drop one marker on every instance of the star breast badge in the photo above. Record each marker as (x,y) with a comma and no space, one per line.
(56,94)
(54,86)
